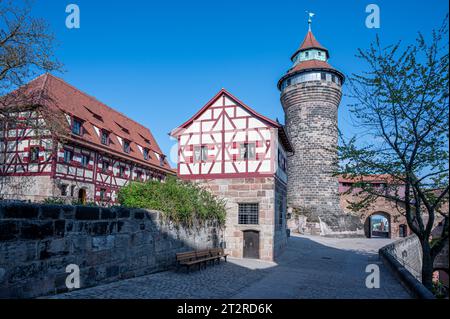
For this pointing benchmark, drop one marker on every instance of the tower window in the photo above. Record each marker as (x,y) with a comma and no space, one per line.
(306,54)
(319,53)
(323,76)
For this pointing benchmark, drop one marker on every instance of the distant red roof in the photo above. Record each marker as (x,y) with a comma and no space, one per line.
(383,178)
(60,95)
(310,42)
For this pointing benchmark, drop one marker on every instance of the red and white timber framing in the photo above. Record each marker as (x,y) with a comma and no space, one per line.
(222,127)
(18,143)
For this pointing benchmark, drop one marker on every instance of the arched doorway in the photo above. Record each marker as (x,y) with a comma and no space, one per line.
(378,225)
(82,196)
(251,244)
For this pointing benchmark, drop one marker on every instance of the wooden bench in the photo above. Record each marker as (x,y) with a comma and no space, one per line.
(199,257)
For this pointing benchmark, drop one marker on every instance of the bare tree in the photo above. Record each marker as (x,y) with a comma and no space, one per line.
(26,50)
(402,102)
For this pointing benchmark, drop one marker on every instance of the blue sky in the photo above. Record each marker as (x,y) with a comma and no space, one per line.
(159,62)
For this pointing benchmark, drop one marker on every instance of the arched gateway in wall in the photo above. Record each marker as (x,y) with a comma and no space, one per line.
(378,225)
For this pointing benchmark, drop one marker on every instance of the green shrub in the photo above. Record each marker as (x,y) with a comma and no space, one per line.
(53,201)
(179,201)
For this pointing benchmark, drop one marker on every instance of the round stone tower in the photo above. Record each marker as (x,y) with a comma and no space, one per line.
(310,94)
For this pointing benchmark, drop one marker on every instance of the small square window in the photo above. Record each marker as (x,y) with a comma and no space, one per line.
(34,154)
(85,160)
(64,189)
(200,153)
(68,156)
(248,214)
(122,171)
(247,151)
(105,166)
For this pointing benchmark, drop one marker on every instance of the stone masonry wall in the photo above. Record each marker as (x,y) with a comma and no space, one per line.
(37,242)
(408,252)
(29,188)
(311,122)
(248,190)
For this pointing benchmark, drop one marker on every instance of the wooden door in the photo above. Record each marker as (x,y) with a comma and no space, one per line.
(251,244)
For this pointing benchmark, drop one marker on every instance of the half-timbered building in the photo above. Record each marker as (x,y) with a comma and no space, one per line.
(240,155)
(95,151)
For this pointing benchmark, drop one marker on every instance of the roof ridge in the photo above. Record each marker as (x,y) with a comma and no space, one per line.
(236,100)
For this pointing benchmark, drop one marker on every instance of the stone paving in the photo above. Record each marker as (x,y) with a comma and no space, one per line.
(311,267)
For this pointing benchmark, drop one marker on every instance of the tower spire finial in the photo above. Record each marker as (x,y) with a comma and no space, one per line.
(310,15)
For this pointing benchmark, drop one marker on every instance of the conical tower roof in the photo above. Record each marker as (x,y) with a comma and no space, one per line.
(310,42)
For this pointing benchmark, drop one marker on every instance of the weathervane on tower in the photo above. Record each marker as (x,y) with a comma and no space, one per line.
(310,15)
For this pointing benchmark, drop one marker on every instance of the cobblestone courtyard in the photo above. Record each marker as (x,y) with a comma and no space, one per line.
(311,267)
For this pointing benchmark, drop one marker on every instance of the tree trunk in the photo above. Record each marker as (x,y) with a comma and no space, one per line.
(427,265)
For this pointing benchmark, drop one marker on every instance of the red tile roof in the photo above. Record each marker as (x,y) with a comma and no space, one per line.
(383,178)
(310,42)
(60,95)
(311,64)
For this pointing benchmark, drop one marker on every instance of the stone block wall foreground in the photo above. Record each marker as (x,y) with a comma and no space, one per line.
(38,242)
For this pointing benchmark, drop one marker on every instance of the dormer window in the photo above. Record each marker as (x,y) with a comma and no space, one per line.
(146,153)
(76,127)
(161,159)
(126,146)
(105,138)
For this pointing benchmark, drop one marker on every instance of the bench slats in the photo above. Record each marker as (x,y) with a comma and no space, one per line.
(200,256)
